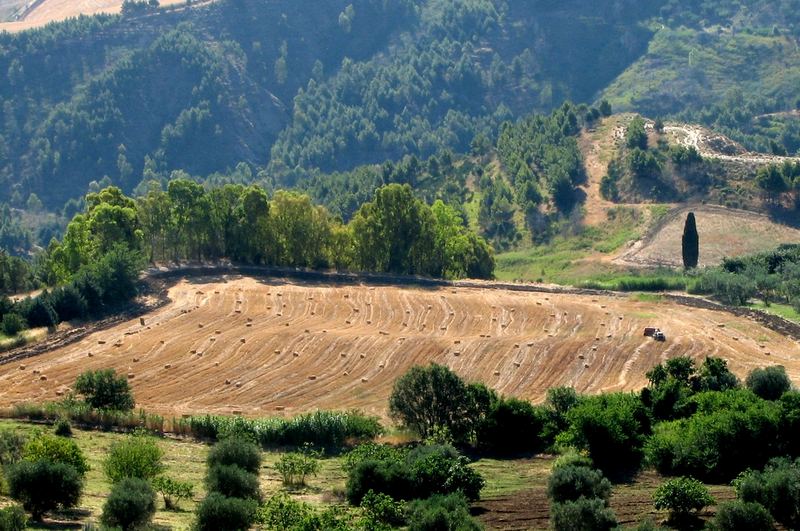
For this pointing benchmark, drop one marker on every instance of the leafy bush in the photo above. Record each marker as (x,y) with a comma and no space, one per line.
(681,496)
(57,450)
(370,451)
(612,428)
(68,303)
(426,398)
(769,383)
(13,324)
(281,512)
(329,429)
(568,483)
(582,514)
(233,482)
(42,486)
(62,428)
(38,312)
(135,456)
(742,516)
(235,451)
(13,518)
(232,514)
(777,488)
(389,477)
(381,510)
(731,431)
(295,467)
(441,512)
(572,458)
(131,504)
(173,491)
(12,445)
(511,427)
(103,389)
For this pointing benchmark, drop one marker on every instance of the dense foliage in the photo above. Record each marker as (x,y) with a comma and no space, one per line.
(103,389)
(130,505)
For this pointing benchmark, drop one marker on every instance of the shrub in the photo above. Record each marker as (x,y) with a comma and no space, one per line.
(57,450)
(68,303)
(12,446)
(731,431)
(572,458)
(432,397)
(135,456)
(612,429)
(131,504)
(173,491)
(438,473)
(62,428)
(569,483)
(235,451)
(13,518)
(103,389)
(582,514)
(232,514)
(382,510)
(681,496)
(295,467)
(511,427)
(777,488)
(370,451)
(38,312)
(13,324)
(233,482)
(441,512)
(281,512)
(769,383)
(388,477)
(742,516)
(43,486)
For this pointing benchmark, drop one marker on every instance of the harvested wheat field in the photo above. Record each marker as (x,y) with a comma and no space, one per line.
(724,232)
(265,347)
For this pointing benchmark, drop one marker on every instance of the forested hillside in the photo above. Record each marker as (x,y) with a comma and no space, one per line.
(315,95)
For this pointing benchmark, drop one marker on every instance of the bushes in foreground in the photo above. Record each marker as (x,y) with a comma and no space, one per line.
(131,504)
(43,486)
(136,456)
(327,429)
(681,496)
(13,518)
(217,512)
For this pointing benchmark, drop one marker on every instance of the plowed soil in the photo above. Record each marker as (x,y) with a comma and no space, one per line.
(257,346)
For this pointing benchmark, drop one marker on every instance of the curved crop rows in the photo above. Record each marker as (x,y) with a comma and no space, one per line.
(257,347)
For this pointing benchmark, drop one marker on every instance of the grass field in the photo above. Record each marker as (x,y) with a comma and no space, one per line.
(781,310)
(514,496)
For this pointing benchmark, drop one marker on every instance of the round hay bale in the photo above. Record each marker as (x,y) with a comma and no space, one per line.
(22,367)
(497,373)
(312,377)
(168,366)
(131,376)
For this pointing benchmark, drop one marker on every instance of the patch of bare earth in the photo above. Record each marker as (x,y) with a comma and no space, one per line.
(263,347)
(723,232)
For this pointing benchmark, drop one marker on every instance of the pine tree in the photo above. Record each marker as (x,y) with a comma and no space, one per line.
(690,243)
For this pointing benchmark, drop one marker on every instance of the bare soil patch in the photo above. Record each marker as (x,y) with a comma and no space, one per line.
(724,232)
(265,347)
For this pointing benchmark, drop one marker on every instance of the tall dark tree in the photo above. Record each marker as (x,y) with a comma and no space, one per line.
(690,243)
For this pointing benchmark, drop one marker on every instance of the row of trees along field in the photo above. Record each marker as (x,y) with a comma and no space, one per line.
(694,424)
(97,263)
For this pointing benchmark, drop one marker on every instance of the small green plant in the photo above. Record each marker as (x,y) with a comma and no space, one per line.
(232,514)
(13,518)
(56,450)
(584,513)
(173,491)
(281,512)
(568,483)
(136,456)
(681,496)
(742,516)
(381,510)
(131,504)
(13,324)
(235,451)
(62,428)
(294,468)
(12,445)
(232,481)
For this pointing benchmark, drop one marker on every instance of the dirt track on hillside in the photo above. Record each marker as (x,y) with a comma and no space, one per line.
(263,347)
(724,232)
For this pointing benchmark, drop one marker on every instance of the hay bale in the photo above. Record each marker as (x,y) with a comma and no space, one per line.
(363,356)
(381,365)
(497,373)
(517,364)
(162,341)
(364,380)
(369,322)
(277,351)
(279,408)
(168,366)
(249,325)
(141,321)
(43,378)
(136,360)
(238,384)
(22,367)
(91,355)
(101,342)
(456,353)
(296,354)
(585,365)
(343,354)
(131,376)
(312,377)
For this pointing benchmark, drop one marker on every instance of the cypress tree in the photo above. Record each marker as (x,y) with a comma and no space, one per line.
(690,243)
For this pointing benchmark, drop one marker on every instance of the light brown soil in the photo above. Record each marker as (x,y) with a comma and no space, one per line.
(723,232)
(261,347)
